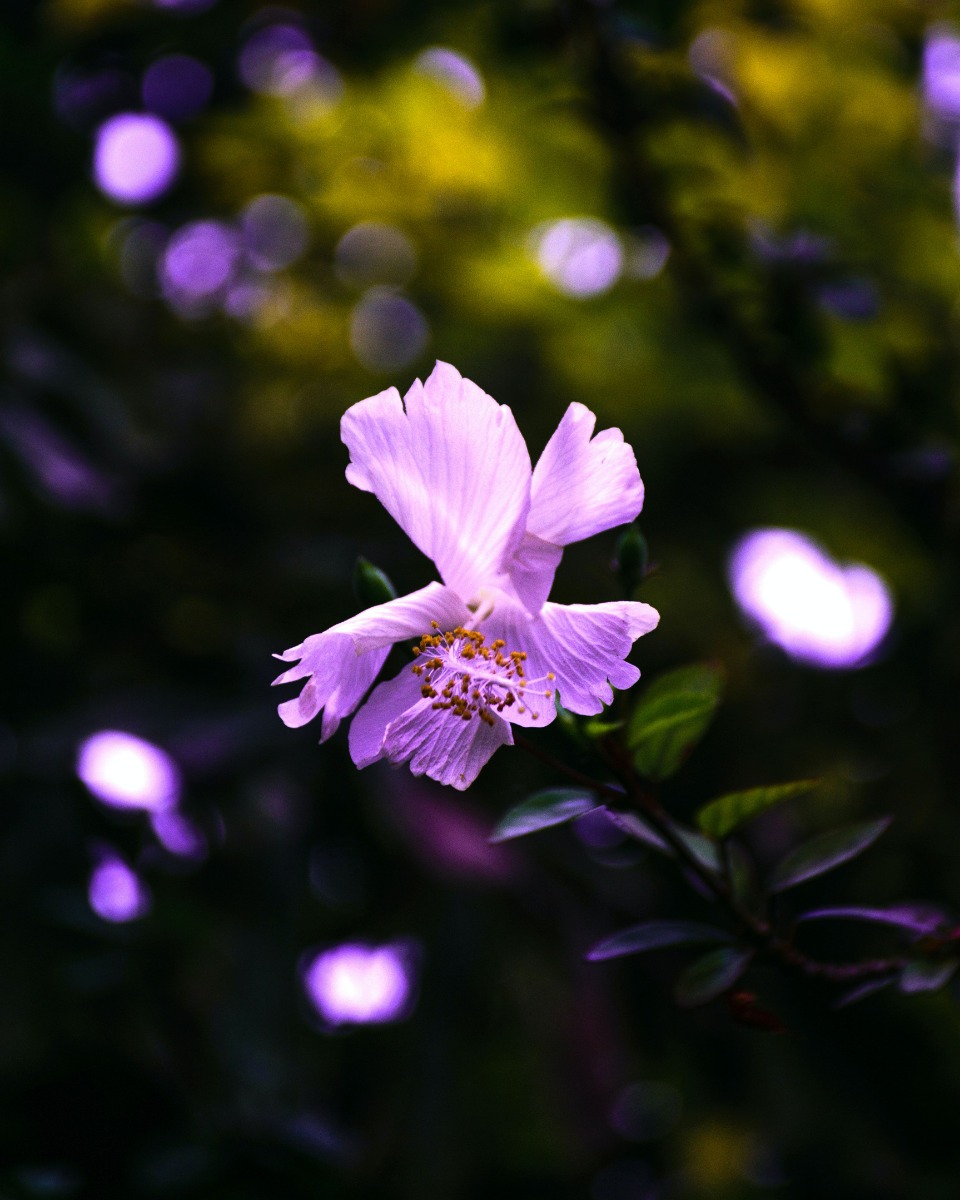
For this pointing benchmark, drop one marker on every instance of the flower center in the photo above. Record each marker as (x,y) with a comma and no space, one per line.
(465,676)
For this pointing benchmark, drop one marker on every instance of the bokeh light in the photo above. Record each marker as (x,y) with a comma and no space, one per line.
(457,74)
(177,87)
(115,892)
(821,612)
(179,835)
(275,232)
(186,7)
(197,264)
(125,771)
(387,331)
(372,252)
(354,984)
(941,72)
(280,60)
(581,256)
(647,251)
(136,158)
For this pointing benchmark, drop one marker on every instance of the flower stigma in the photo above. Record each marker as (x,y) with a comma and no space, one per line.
(461,674)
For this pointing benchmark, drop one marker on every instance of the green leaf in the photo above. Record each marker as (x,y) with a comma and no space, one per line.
(371,586)
(703,849)
(925,975)
(553,806)
(722,816)
(654,935)
(825,852)
(672,717)
(742,873)
(596,728)
(711,975)
(706,852)
(637,828)
(633,555)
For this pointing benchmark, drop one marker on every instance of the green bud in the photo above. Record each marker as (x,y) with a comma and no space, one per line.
(370,585)
(633,555)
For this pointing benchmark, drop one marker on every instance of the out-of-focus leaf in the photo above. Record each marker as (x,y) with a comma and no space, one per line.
(553,806)
(917,918)
(637,828)
(823,853)
(653,935)
(742,873)
(711,975)
(700,846)
(672,717)
(633,555)
(720,817)
(925,975)
(371,585)
(863,990)
(596,728)
(705,851)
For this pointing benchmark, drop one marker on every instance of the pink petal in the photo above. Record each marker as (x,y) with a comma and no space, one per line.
(583,645)
(341,663)
(451,468)
(531,571)
(442,746)
(583,486)
(387,701)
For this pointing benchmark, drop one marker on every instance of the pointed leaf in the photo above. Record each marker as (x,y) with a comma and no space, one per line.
(916,918)
(705,851)
(654,935)
(925,975)
(722,816)
(637,828)
(553,806)
(371,585)
(742,874)
(672,717)
(711,975)
(825,852)
(863,990)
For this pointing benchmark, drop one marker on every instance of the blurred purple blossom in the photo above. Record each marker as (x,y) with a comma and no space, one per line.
(356,984)
(581,256)
(280,60)
(136,158)
(124,771)
(115,892)
(941,72)
(821,612)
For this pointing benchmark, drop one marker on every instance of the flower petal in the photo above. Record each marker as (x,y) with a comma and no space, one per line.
(387,702)
(531,571)
(397,723)
(583,486)
(583,645)
(341,663)
(442,746)
(451,468)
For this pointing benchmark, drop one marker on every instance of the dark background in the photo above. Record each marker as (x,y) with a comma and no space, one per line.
(173,510)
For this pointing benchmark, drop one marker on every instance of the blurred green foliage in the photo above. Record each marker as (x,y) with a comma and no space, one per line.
(781,348)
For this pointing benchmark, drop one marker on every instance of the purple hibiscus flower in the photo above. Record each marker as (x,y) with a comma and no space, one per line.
(451,467)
